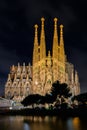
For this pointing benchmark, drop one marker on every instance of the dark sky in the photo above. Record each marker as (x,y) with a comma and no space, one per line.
(17,18)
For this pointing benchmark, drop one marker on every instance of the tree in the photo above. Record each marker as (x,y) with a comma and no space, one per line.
(60,89)
(80,98)
(31,99)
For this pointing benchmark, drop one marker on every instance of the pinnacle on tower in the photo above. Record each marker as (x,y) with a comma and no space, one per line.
(36,34)
(42,28)
(18,68)
(49,59)
(9,77)
(29,64)
(18,64)
(61,34)
(76,77)
(55,28)
(72,76)
(24,64)
(15,77)
(62,43)
(29,67)
(13,68)
(35,49)
(49,54)
(42,20)
(24,69)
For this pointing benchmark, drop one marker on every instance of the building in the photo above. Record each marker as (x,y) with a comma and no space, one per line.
(5,103)
(45,69)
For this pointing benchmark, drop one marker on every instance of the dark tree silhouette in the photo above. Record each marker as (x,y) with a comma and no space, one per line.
(31,99)
(80,98)
(49,98)
(56,90)
(60,90)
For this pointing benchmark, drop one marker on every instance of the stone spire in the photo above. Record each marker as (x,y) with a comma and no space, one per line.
(42,41)
(9,78)
(62,52)
(55,40)
(35,49)
(77,84)
(61,39)
(15,77)
(49,54)
(49,59)
(76,78)
(29,69)
(36,34)
(27,78)
(24,68)
(19,68)
(72,76)
(13,68)
(61,34)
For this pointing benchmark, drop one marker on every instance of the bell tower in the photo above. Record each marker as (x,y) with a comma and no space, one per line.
(42,61)
(35,50)
(55,51)
(35,58)
(42,41)
(61,57)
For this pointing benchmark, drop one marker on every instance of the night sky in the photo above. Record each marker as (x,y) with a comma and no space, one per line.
(17,19)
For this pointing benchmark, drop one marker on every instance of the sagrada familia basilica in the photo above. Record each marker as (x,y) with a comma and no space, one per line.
(45,69)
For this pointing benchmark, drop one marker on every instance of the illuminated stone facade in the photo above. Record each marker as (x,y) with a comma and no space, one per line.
(19,82)
(45,70)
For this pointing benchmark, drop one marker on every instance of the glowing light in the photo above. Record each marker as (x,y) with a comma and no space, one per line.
(36,82)
(26,126)
(76,123)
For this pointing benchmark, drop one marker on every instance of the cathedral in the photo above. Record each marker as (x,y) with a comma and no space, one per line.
(45,69)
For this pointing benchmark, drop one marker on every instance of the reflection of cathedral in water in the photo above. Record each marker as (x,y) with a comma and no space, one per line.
(38,78)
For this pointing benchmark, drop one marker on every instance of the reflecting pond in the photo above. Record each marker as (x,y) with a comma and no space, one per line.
(42,123)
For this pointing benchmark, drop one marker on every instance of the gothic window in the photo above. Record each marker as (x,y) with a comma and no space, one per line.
(9,94)
(49,81)
(24,79)
(21,93)
(42,64)
(27,88)
(38,50)
(27,85)
(27,93)
(38,56)
(58,50)
(18,78)
(15,93)
(20,84)
(18,74)
(55,64)
(61,68)
(8,84)
(14,84)
(59,58)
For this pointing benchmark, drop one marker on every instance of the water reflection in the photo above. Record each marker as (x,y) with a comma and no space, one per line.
(26,126)
(41,123)
(76,123)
